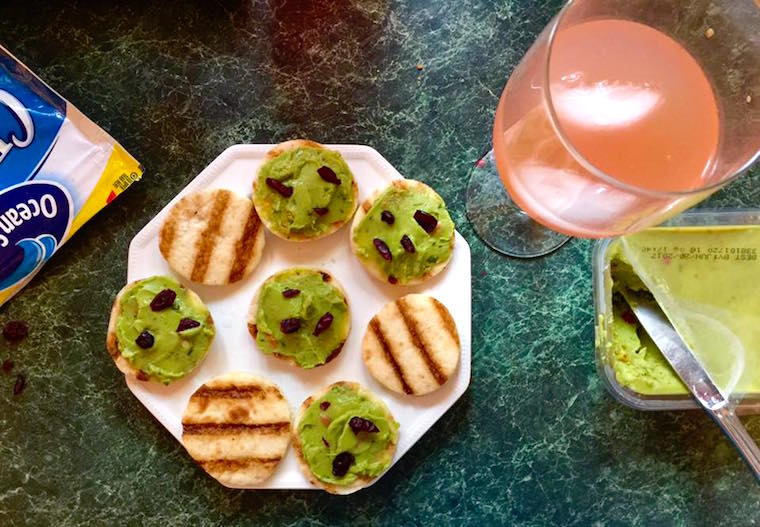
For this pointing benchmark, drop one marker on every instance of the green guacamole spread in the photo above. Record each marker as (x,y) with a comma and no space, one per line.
(314,299)
(315,204)
(430,249)
(637,362)
(324,432)
(173,353)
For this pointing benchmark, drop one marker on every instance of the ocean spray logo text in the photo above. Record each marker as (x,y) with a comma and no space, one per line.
(8,138)
(35,217)
(15,216)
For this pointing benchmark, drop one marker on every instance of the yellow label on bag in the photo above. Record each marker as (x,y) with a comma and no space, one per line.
(120,172)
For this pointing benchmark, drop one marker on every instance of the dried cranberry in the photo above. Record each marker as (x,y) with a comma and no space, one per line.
(407,244)
(388,217)
(290,325)
(20,384)
(321,211)
(342,463)
(15,330)
(145,340)
(324,405)
(187,323)
(163,300)
(290,293)
(7,365)
(324,323)
(279,187)
(383,249)
(360,424)
(328,174)
(426,221)
(628,317)
(324,442)
(392,279)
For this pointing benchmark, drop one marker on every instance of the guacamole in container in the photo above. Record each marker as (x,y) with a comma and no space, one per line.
(703,271)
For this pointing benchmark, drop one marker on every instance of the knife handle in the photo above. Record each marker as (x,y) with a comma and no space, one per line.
(734,429)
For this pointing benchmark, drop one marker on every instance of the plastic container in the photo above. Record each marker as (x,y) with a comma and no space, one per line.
(749,403)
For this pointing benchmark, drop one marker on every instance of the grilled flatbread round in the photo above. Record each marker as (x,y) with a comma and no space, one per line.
(361,481)
(212,237)
(407,260)
(315,207)
(412,345)
(237,427)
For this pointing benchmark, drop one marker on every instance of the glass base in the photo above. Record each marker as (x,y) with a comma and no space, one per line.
(499,222)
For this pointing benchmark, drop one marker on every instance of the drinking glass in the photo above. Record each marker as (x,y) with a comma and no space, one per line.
(622,114)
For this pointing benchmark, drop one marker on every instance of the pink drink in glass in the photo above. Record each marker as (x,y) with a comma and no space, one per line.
(623,135)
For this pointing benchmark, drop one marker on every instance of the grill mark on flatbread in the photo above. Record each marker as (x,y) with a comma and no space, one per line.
(233,428)
(245,245)
(235,392)
(207,239)
(166,238)
(367,205)
(375,327)
(447,320)
(411,325)
(237,464)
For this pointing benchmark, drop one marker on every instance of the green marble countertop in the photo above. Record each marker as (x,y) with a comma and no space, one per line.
(536,440)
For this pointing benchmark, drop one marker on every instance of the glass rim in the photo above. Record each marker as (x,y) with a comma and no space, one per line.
(588,165)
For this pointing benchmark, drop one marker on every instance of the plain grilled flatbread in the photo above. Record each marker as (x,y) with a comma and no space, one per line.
(369,265)
(361,482)
(212,237)
(412,345)
(112,341)
(263,206)
(237,427)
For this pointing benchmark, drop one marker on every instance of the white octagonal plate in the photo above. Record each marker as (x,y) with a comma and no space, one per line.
(233,348)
